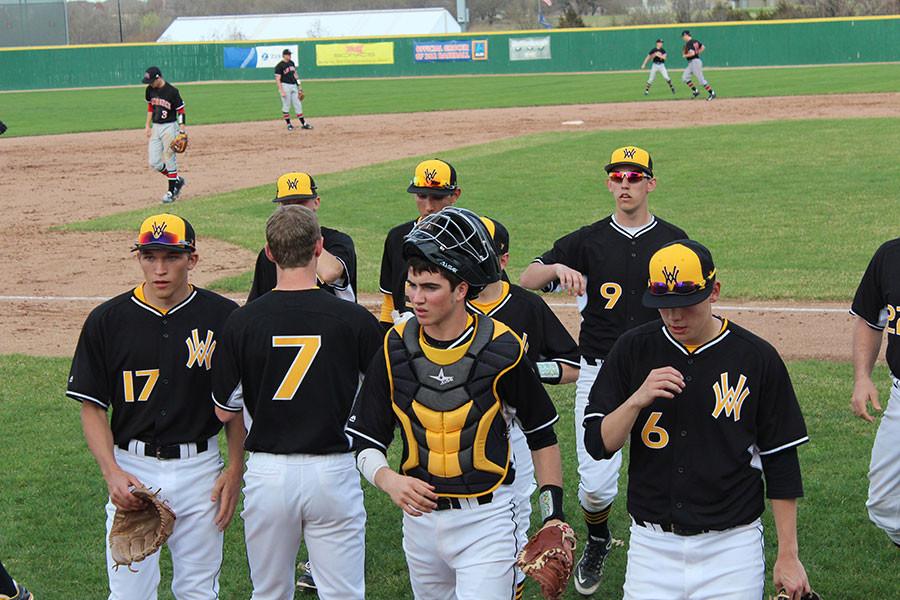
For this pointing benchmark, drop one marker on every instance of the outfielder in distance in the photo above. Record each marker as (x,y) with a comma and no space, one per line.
(605,265)
(691,53)
(710,412)
(876,307)
(291,93)
(658,55)
(291,362)
(147,355)
(452,381)
(165,110)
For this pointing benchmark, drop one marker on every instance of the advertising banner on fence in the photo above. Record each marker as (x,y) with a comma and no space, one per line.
(450,50)
(536,48)
(341,55)
(257,57)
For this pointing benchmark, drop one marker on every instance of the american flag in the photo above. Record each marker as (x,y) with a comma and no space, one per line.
(548,2)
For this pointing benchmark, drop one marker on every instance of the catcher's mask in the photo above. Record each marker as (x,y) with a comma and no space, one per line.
(456,240)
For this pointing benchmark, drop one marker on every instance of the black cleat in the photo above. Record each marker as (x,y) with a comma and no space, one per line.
(712,96)
(306,582)
(307,126)
(589,569)
(179,184)
(290,127)
(695,94)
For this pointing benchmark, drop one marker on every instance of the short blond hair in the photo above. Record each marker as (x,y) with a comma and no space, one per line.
(291,234)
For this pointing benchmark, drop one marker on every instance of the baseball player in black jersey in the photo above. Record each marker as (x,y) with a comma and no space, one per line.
(605,264)
(434,187)
(549,347)
(658,55)
(691,53)
(877,309)
(147,354)
(165,110)
(335,268)
(709,408)
(10,589)
(290,90)
(290,361)
(452,381)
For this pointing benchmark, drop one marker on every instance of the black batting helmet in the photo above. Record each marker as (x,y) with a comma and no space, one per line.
(456,240)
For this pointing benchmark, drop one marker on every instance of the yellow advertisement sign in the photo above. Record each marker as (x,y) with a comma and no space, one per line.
(341,55)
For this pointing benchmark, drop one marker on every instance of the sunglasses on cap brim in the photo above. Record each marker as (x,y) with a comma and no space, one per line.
(166,238)
(679,288)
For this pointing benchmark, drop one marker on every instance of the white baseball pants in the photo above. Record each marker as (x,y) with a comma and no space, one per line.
(884,470)
(598,479)
(719,565)
(196,542)
(160,156)
(658,68)
(523,485)
(462,554)
(291,98)
(694,68)
(317,498)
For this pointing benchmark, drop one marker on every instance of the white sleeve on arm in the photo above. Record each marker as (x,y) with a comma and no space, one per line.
(369,462)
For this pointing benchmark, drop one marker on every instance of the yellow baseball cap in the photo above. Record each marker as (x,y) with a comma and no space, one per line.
(434,177)
(682,273)
(295,186)
(631,156)
(166,232)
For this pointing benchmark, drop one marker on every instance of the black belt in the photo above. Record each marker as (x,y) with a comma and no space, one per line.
(676,529)
(444,503)
(592,361)
(168,452)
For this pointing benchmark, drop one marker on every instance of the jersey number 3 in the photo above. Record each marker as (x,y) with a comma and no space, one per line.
(308,347)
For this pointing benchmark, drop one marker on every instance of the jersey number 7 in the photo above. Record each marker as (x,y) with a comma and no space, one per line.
(308,348)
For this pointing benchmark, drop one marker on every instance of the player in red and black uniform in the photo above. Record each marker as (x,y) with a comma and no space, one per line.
(658,55)
(147,355)
(291,361)
(691,52)
(605,265)
(549,348)
(165,110)
(290,90)
(336,268)
(710,413)
(434,187)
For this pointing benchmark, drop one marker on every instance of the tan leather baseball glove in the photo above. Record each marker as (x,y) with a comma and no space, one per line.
(136,534)
(301,95)
(180,143)
(549,557)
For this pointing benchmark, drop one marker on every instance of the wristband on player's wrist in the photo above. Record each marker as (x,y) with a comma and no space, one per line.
(550,501)
(549,371)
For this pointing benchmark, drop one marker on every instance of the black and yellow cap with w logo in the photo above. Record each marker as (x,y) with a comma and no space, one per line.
(295,186)
(682,273)
(166,232)
(631,156)
(433,177)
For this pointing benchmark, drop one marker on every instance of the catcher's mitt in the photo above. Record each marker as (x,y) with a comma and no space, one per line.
(301,95)
(548,558)
(180,143)
(136,534)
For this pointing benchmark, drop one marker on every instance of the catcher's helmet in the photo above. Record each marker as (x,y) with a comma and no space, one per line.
(457,241)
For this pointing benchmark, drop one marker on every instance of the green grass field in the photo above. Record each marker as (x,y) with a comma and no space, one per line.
(789,209)
(46,112)
(52,509)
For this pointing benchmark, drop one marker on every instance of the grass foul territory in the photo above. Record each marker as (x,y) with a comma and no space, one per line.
(71,111)
(789,210)
(53,517)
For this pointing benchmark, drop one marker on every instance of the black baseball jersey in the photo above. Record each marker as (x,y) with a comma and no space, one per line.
(697,460)
(695,45)
(152,368)
(164,103)
(292,360)
(877,299)
(393,265)
(337,243)
(658,54)
(526,313)
(372,421)
(288,71)
(616,264)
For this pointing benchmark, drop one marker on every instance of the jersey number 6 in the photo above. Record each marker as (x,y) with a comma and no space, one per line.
(308,348)
(654,437)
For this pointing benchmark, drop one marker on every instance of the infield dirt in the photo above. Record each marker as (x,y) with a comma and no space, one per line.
(58,179)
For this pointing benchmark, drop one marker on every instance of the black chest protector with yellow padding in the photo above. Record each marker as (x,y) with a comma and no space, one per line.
(454,431)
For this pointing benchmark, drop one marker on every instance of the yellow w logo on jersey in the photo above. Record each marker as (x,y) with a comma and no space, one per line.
(200,351)
(730,399)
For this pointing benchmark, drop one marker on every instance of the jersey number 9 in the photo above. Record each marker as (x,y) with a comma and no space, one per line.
(611,291)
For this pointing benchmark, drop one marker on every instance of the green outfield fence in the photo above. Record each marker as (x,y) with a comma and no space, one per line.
(740,44)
